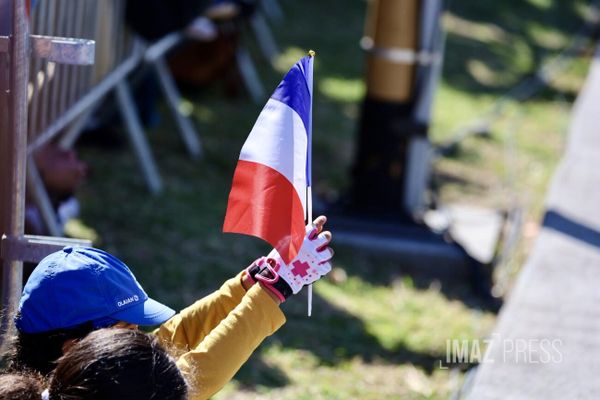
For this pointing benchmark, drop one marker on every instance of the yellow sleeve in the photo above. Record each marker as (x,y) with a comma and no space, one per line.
(211,364)
(189,327)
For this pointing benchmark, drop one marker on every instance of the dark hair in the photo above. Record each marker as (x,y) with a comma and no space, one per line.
(117,364)
(20,386)
(38,352)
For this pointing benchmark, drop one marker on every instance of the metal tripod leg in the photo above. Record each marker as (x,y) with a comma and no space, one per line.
(72,133)
(137,137)
(186,129)
(35,186)
(273,10)
(249,75)
(264,36)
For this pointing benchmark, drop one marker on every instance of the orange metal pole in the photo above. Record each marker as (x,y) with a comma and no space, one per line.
(391,24)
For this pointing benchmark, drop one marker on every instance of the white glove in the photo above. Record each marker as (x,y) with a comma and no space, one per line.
(312,262)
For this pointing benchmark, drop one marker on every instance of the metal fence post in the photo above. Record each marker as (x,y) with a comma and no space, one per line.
(13,159)
(16,247)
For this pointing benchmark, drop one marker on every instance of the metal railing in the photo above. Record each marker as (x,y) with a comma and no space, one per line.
(62,98)
(15,247)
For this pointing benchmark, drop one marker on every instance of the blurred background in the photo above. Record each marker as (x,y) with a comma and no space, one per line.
(502,77)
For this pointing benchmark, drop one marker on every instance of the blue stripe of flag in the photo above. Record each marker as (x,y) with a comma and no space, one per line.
(293,91)
(306,65)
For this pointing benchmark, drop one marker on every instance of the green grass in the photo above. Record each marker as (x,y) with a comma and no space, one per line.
(375,332)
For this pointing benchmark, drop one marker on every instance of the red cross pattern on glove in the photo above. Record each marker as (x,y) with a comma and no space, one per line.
(300,268)
(312,262)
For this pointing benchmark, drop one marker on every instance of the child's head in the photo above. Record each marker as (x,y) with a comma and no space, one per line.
(116,364)
(77,285)
(72,292)
(20,386)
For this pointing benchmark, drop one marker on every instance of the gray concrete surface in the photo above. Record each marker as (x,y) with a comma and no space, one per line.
(547,341)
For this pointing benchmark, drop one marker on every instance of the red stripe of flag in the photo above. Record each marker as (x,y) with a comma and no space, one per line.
(264,203)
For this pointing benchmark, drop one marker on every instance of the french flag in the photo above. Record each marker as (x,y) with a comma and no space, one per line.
(271,184)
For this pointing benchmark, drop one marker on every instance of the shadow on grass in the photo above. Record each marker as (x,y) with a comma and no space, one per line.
(256,372)
(332,336)
(445,178)
(496,45)
(385,270)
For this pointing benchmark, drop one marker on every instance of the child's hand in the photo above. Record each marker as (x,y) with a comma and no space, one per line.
(312,262)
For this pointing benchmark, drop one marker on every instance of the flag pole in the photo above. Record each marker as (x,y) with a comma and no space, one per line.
(309,215)
(309,212)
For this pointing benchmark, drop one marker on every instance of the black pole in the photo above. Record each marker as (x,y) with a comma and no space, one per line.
(387,123)
(379,170)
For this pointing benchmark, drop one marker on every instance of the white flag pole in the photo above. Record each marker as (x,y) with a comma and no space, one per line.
(309,212)
(309,215)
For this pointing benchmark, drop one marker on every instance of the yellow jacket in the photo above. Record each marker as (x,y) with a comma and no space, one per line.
(215,336)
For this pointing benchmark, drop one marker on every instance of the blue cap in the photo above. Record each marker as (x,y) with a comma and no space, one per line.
(80,284)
